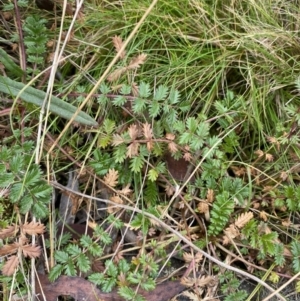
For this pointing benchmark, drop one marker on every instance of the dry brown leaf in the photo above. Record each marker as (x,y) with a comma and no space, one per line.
(188,257)
(126,190)
(284,175)
(118,43)
(137,61)
(33,228)
(172,147)
(187,281)
(117,140)
(259,153)
(269,157)
(191,296)
(206,281)
(31,251)
(170,136)
(286,222)
(133,131)
(263,215)
(169,190)
(115,75)
(9,231)
(203,207)
(111,178)
(210,195)
(243,219)
(133,149)
(238,171)
(187,157)
(10,265)
(135,89)
(114,208)
(9,249)
(147,131)
(230,233)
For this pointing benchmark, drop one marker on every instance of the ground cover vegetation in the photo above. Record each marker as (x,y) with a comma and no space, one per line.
(169,128)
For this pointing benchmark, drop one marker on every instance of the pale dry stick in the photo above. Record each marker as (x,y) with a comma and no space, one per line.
(56,60)
(179,235)
(282,287)
(40,139)
(115,59)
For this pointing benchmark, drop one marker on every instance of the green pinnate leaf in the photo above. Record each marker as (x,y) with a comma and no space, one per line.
(70,269)
(83,263)
(55,272)
(160,93)
(144,90)
(61,256)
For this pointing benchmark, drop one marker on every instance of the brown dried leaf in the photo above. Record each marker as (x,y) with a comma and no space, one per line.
(147,131)
(135,89)
(9,249)
(259,153)
(187,281)
(9,231)
(33,228)
(117,140)
(114,208)
(187,157)
(116,74)
(31,251)
(203,207)
(191,296)
(137,61)
(172,147)
(133,149)
(243,219)
(118,43)
(169,190)
(263,215)
(269,157)
(206,281)
(111,178)
(126,190)
(133,131)
(150,145)
(230,233)
(10,265)
(188,257)
(210,195)
(170,136)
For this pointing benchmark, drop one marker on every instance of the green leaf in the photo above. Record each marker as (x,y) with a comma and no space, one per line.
(73,249)
(160,93)
(6,179)
(97,278)
(83,263)
(55,272)
(152,175)
(9,64)
(40,210)
(295,249)
(70,268)
(86,241)
(61,256)
(108,284)
(148,284)
(154,109)
(174,96)
(127,293)
(144,90)
(35,96)
(136,164)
